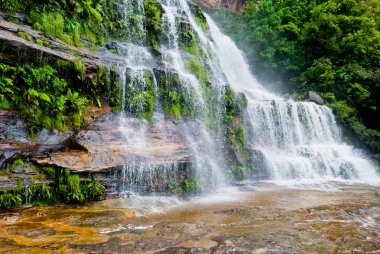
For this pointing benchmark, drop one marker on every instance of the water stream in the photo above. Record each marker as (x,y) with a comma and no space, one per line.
(295,142)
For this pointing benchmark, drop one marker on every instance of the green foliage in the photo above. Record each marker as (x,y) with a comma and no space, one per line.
(25,35)
(140,96)
(199,17)
(51,23)
(153,21)
(17,164)
(240,172)
(66,20)
(41,192)
(9,200)
(43,42)
(176,99)
(93,190)
(12,5)
(198,70)
(41,97)
(5,171)
(192,185)
(69,189)
(174,187)
(232,119)
(80,68)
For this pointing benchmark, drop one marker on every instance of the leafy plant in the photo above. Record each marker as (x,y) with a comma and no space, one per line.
(9,200)
(192,185)
(93,190)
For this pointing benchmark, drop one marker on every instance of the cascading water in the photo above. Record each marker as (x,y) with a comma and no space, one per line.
(207,162)
(294,140)
(297,140)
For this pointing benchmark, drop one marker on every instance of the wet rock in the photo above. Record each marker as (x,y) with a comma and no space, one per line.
(19,49)
(314,97)
(109,143)
(181,250)
(240,210)
(232,5)
(14,138)
(9,217)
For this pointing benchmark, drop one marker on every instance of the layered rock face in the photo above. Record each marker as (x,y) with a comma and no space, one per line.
(232,5)
(104,146)
(110,143)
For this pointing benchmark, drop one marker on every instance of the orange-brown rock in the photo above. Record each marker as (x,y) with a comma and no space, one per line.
(232,5)
(112,142)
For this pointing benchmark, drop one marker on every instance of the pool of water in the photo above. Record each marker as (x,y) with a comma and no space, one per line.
(249,218)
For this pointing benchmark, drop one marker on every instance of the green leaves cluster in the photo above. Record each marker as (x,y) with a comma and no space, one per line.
(43,98)
(67,20)
(67,188)
(9,200)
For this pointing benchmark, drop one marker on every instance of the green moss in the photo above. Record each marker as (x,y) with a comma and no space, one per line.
(176,100)
(5,171)
(43,42)
(188,40)
(17,164)
(240,172)
(25,35)
(153,21)
(202,23)
(199,17)
(140,96)
(192,185)
(80,68)
(233,118)
(197,68)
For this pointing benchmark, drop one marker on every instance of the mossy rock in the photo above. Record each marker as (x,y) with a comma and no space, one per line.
(177,100)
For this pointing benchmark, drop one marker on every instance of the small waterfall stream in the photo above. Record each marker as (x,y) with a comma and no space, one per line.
(294,140)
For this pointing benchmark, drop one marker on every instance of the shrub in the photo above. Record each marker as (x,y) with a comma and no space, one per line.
(9,200)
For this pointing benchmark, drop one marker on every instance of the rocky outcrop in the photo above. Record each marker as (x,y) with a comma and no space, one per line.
(113,142)
(15,48)
(232,5)
(15,140)
(102,148)
(314,97)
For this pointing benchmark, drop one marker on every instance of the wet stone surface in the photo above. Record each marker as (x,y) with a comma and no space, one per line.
(272,221)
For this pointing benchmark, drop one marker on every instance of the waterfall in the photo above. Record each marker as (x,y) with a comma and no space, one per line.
(296,140)
(292,140)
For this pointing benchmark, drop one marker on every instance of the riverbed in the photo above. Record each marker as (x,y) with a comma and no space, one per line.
(252,218)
